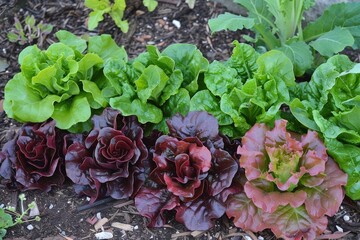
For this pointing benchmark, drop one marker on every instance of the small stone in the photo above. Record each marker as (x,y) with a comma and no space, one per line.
(176,23)
(339,228)
(346,218)
(136,227)
(30,227)
(260,238)
(104,235)
(51,206)
(247,237)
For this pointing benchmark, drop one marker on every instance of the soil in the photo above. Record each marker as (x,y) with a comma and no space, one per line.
(62,216)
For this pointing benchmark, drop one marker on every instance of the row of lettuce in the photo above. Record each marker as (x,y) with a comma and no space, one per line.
(75,79)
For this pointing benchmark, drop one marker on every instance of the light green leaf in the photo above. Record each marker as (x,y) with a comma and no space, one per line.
(87,65)
(348,158)
(150,84)
(105,46)
(144,112)
(344,15)
(205,101)
(300,54)
(303,114)
(117,16)
(71,40)
(230,21)
(25,104)
(150,4)
(93,89)
(69,112)
(178,103)
(190,61)
(258,10)
(172,86)
(95,17)
(333,42)
(221,79)
(243,59)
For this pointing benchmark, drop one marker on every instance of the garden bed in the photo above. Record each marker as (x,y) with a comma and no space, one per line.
(61,210)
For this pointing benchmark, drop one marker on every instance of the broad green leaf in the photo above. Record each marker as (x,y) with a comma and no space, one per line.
(231,22)
(5,220)
(332,128)
(205,101)
(178,103)
(344,15)
(303,114)
(150,4)
(145,112)
(151,83)
(258,10)
(333,42)
(120,74)
(71,111)
(95,17)
(58,50)
(93,89)
(221,79)
(172,86)
(87,64)
(300,55)
(153,56)
(190,61)
(119,4)
(25,104)
(105,46)
(276,64)
(71,40)
(348,158)
(243,59)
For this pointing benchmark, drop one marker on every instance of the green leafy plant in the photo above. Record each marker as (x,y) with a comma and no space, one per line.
(247,88)
(115,9)
(156,85)
(6,219)
(330,103)
(62,82)
(30,32)
(278,25)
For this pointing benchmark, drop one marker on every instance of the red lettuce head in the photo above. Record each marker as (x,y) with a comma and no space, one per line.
(191,175)
(292,183)
(33,158)
(109,160)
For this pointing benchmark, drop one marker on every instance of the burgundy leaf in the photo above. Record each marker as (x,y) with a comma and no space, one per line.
(153,203)
(198,124)
(222,173)
(200,213)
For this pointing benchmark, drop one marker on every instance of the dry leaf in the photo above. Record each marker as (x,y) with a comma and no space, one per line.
(1,106)
(100,223)
(123,226)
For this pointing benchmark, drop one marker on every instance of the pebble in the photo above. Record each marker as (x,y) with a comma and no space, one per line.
(339,228)
(136,227)
(247,237)
(260,238)
(346,218)
(30,227)
(51,206)
(176,23)
(104,235)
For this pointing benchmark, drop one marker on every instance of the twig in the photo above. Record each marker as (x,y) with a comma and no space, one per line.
(95,204)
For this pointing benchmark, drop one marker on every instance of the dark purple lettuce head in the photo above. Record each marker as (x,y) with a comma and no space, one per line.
(33,158)
(191,176)
(109,161)
(292,183)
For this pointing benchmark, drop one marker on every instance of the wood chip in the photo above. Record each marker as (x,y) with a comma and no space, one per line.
(120,205)
(123,226)
(1,106)
(197,233)
(100,223)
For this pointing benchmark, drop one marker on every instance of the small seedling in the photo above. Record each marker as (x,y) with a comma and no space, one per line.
(115,9)
(6,219)
(28,33)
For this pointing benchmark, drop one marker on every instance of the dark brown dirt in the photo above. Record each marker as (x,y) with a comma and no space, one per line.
(59,209)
